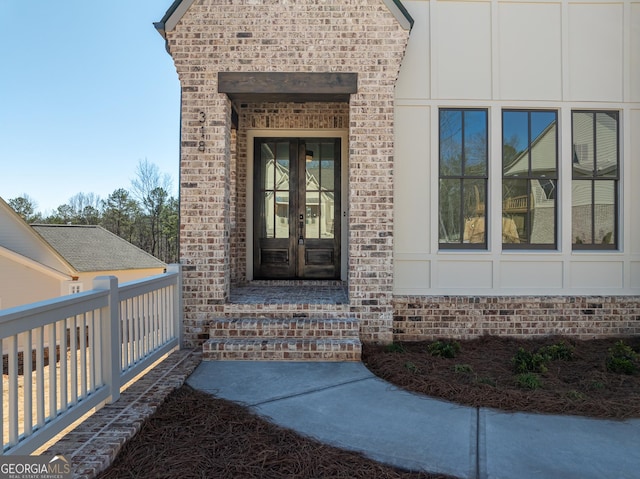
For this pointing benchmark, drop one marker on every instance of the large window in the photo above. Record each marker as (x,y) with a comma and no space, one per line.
(595,179)
(463,178)
(529,178)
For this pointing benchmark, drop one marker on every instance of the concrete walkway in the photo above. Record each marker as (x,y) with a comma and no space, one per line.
(345,405)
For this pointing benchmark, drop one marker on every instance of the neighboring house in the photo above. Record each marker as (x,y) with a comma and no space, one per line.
(42,262)
(483,156)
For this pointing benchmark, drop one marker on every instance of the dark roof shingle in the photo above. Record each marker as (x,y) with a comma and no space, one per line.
(93,248)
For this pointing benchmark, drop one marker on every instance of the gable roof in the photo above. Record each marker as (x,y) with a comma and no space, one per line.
(93,248)
(179,7)
(17,238)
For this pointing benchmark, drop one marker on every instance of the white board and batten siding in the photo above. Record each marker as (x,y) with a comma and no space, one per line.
(558,55)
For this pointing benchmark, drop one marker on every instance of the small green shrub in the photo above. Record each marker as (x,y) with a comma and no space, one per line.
(576,395)
(559,351)
(529,381)
(444,349)
(536,361)
(412,368)
(487,380)
(598,385)
(622,359)
(395,348)
(462,368)
(528,362)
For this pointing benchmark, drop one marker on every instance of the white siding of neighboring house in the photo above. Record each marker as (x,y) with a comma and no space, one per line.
(556,55)
(124,275)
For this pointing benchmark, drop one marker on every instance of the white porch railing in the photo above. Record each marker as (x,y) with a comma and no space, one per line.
(65,357)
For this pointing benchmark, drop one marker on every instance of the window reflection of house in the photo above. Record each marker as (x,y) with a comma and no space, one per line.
(319,200)
(529,187)
(595,175)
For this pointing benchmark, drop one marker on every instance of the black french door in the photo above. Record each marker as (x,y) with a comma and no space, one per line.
(296,208)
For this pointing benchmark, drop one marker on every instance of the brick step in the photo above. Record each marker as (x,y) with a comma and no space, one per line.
(299,328)
(282,349)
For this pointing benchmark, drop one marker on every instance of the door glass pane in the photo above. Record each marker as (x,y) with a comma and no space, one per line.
(266,165)
(543,144)
(450,142)
(274,175)
(268,230)
(282,214)
(312,222)
(327,215)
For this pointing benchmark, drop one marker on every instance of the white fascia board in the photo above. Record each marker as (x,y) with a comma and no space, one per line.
(403,17)
(175,17)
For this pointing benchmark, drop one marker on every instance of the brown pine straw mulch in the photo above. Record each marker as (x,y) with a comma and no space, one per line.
(194,435)
(482,375)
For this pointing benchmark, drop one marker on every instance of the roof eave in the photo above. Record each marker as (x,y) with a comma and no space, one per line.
(401,13)
(179,7)
(173,15)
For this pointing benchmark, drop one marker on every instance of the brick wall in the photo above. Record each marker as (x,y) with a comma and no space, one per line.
(360,36)
(464,317)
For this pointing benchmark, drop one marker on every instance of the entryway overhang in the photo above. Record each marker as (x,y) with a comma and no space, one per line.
(287,86)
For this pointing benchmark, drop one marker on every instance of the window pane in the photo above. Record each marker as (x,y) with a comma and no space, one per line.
(604,212)
(581,214)
(582,144)
(515,206)
(450,211)
(607,144)
(515,143)
(475,196)
(544,148)
(282,214)
(450,143)
(543,211)
(475,143)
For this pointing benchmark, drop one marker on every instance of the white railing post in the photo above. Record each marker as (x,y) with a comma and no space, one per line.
(109,325)
(177,302)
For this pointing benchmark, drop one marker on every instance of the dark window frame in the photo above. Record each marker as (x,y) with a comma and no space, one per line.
(593,179)
(461,245)
(530,177)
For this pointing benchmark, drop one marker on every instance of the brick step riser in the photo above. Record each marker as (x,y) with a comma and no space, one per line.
(282,350)
(247,328)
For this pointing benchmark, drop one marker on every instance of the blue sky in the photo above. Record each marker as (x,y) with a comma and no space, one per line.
(87,91)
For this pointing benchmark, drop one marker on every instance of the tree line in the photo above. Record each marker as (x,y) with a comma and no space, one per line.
(146,215)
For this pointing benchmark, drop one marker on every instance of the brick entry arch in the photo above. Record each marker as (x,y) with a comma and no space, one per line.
(205,37)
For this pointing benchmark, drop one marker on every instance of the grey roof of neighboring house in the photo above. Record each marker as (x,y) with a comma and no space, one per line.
(93,248)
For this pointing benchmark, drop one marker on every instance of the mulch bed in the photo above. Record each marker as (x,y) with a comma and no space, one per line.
(194,435)
(482,375)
